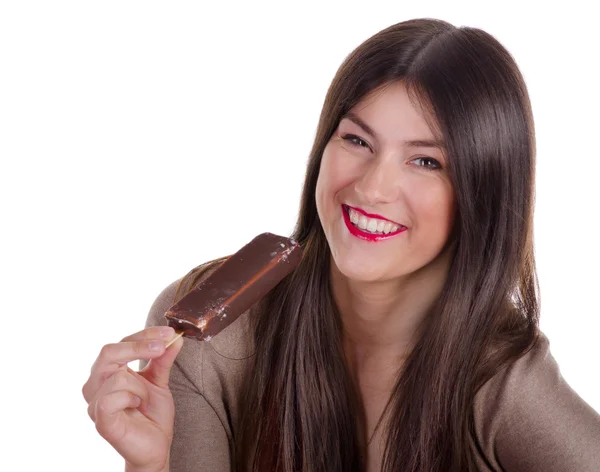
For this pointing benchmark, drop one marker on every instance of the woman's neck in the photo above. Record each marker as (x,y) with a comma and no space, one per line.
(381,319)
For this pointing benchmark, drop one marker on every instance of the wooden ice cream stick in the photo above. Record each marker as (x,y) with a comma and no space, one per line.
(175,338)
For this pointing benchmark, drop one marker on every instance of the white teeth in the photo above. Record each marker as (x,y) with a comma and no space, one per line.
(371,224)
(362,222)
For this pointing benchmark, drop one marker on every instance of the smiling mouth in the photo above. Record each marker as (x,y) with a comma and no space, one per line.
(370,225)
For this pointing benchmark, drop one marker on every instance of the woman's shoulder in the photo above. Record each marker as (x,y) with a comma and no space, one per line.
(528,418)
(532,379)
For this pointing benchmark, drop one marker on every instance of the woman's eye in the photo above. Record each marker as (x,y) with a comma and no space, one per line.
(355,140)
(436,164)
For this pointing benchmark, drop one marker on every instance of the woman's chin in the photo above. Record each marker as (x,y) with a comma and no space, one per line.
(360,272)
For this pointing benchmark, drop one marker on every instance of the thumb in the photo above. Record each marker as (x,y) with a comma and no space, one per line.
(158,369)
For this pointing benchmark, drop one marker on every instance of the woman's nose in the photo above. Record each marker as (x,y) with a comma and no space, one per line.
(379,182)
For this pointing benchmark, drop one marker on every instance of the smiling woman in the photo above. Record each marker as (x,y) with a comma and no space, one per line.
(407,338)
(384,176)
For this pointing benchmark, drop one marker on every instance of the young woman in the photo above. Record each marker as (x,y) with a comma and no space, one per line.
(407,338)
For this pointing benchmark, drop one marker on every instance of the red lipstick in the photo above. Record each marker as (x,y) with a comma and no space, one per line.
(359,233)
(371,215)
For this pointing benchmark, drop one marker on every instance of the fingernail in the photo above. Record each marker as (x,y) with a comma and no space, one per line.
(155,345)
(137,400)
(166,332)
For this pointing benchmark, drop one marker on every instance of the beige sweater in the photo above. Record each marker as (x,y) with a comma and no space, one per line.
(526,417)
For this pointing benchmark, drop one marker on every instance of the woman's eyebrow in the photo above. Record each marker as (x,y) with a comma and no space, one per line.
(427,143)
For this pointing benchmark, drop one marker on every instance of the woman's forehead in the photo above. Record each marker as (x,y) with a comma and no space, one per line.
(391,112)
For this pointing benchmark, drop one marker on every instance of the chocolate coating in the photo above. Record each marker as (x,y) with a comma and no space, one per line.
(242,280)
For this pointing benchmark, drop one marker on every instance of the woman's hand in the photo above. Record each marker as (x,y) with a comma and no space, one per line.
(134,411)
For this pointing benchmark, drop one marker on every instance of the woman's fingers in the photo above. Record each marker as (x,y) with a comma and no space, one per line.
(155,332)
(134,415)
(108,416)
(115,402)
(125,352)
(121,381)
(114,356)
(158,369)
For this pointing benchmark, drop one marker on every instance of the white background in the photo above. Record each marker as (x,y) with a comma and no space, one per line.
(141,138)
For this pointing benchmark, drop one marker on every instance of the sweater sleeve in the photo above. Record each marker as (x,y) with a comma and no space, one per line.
(200,442)
(529,419)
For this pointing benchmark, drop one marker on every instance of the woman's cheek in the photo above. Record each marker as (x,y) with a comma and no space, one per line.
(345,168)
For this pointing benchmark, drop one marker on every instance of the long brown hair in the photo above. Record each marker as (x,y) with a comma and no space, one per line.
(299,406)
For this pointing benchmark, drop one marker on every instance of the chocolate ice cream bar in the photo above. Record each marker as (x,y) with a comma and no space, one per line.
(242,280)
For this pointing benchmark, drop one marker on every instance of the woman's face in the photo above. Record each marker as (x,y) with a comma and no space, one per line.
(386,206)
